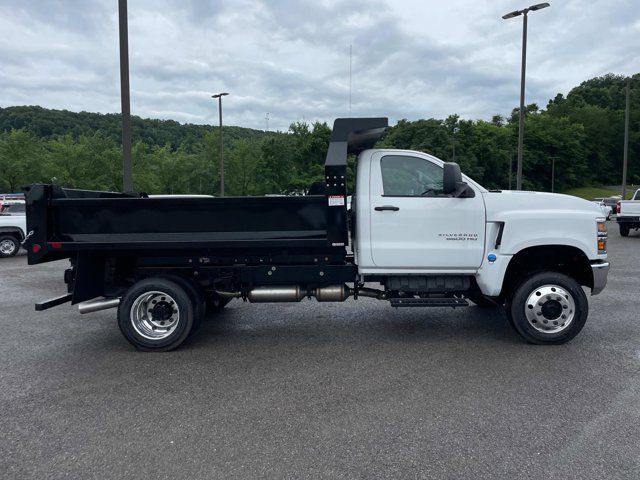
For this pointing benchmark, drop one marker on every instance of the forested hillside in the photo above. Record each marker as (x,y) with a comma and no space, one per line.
(582,131)
(47,123)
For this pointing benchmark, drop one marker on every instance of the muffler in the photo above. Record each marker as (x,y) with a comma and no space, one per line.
(276,294)
(97,305)
(332,293)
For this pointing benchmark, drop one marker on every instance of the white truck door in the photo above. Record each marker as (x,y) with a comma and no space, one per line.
(413,226)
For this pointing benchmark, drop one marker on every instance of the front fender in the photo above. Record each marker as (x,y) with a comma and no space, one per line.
(534,228)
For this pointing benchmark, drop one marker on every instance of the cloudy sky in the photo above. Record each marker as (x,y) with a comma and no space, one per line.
(411,58)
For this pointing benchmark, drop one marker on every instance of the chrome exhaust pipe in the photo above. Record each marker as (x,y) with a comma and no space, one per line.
(97,305)
(294,293)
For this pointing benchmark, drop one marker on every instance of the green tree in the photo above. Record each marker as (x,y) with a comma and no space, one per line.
(21,160)
(241,168)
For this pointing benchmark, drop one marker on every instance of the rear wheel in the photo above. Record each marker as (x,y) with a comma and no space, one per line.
(9,246)
(624,230)
(549,308)
(156,314)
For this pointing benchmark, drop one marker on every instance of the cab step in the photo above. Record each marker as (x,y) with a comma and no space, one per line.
(428,302)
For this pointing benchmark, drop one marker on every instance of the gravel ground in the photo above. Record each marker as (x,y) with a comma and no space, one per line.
(354,390)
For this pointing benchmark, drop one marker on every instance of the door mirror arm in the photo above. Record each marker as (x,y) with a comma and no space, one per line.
(463,191)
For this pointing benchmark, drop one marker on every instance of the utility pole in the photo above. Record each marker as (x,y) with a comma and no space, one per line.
(525,14)
(127,176)
(553,173)
(266,118)
(219,97)
(626,140)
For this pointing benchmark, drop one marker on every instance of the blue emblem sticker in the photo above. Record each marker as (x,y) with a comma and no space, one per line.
(492,257)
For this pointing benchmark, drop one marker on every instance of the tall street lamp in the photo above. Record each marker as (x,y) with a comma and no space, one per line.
(626,139)
(525,15)
(453,142)
(127,178)
(219,97)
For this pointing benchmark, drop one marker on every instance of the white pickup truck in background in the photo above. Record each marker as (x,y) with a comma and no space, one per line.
(628,214)
(13,227)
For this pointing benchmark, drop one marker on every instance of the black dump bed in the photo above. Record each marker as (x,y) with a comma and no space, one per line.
(62,221)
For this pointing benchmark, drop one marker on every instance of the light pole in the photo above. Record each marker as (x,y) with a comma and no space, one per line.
(127,178)
(453,143)
(525,15)
(266,119)
(626,141)
(510,168)
(219,97)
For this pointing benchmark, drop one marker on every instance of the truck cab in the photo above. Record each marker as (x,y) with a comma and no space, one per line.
(413,220)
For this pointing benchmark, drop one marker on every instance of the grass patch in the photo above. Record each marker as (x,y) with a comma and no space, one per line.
(589,193)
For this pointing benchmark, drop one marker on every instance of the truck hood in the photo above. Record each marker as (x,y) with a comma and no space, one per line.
(531,219)
(507,203)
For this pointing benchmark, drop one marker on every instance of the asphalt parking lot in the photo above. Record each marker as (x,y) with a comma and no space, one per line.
(319,391)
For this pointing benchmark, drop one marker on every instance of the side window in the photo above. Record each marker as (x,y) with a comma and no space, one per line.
(404,176)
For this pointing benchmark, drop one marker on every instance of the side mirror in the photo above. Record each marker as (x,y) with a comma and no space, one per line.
(451,178)
(452,184)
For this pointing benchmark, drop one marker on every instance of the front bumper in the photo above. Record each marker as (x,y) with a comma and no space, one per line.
(600,272)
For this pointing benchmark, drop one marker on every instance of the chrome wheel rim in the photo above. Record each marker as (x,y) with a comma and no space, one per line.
(7,247)
(155,315)
(550,309)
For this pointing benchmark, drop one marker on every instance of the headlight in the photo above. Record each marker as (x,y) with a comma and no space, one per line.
(602,236)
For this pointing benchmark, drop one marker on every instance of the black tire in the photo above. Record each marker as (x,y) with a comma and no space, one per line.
(481,301)
(530,298)
(9,246)
(182,303)
(624,230)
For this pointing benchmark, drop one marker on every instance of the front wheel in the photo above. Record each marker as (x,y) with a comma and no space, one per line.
(548,309)
(9,246)
(156,314)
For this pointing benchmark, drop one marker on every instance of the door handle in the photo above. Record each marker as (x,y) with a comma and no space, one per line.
(393,208)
